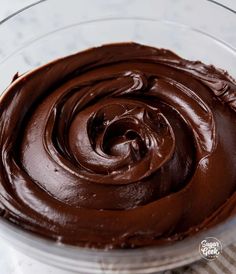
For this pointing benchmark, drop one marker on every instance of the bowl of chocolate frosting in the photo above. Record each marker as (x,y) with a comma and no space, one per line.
(117,133)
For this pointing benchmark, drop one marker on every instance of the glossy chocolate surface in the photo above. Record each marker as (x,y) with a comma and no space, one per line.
(118,146)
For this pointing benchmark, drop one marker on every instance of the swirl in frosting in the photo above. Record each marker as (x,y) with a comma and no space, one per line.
(118,146)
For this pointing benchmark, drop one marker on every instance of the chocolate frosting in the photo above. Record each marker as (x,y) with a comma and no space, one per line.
(118,146)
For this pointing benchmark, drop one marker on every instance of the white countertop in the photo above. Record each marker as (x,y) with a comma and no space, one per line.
(8,7)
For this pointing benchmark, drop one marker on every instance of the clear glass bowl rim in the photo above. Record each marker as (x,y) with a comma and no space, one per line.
(41,1)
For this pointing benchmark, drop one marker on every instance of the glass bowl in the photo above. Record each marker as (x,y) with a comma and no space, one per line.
(52,29)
